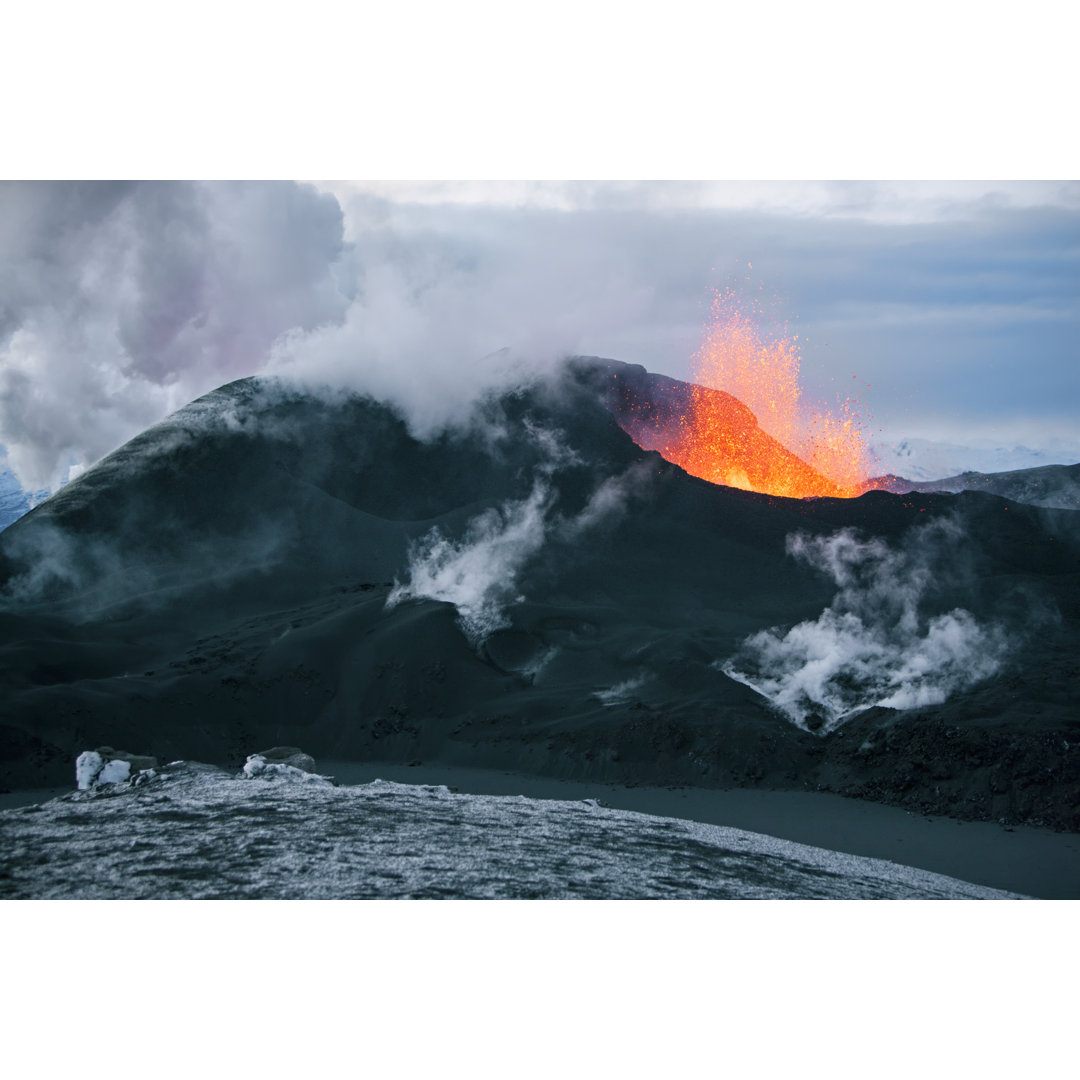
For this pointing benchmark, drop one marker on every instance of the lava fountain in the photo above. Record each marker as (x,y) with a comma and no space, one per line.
(743,421)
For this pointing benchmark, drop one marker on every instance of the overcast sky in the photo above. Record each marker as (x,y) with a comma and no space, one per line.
(954,306)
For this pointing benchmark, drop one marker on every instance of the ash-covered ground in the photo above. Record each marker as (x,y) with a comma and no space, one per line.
(191,831)
(532,591)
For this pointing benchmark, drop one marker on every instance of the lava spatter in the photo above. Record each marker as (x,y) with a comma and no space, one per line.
(745,424)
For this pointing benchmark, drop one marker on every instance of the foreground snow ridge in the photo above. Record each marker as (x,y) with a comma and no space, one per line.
(195,831)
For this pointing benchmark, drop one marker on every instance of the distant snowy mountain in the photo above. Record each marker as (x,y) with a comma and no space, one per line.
(925,459)
(14,502)
(1055,486)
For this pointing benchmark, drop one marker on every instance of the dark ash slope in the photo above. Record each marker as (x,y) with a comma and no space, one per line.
(220,583)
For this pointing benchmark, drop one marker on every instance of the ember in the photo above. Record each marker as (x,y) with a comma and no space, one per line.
(745,423)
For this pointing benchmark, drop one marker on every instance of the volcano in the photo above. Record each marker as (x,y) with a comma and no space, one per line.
(708,432)
(542,589)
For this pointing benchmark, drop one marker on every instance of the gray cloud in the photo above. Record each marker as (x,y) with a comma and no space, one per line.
(121,302)
(970,315)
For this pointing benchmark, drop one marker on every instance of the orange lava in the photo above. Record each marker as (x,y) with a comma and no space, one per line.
(784,447)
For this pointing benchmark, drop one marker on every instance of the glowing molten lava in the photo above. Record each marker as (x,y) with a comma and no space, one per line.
(742,422)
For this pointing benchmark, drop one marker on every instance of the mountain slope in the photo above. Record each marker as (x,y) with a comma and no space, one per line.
(532,590)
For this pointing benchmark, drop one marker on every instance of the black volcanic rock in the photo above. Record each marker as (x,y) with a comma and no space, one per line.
(221,582)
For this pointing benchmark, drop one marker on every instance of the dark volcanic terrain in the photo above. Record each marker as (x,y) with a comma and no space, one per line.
(565,604)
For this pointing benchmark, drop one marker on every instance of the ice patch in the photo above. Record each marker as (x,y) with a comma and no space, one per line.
(87,766)
(872,645)
(114,772)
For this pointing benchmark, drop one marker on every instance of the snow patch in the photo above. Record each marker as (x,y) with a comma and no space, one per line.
(108,766)
(87,767)
(387,840)
(927,460)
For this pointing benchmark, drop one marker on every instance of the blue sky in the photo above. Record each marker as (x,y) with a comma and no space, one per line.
(955,303)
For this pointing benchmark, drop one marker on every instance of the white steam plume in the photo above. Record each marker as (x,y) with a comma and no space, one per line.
(873,645)
(478,574)
(620,692)
(120,303)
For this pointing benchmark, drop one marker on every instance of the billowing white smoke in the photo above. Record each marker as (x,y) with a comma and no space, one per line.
(872,645)
(478,574)
(608,501)
(123,301)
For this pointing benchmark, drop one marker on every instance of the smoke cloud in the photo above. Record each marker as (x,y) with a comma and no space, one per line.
(620,693)
(479,573)
(119,303)
(876,643)
(122,302)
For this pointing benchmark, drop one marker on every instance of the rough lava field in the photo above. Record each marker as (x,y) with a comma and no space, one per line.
(197,832)
(531,591)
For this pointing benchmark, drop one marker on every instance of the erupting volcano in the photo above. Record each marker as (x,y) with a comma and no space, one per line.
(742,422)
(530,596)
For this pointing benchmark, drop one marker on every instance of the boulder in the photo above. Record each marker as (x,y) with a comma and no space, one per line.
(287,755)
(108,766)
(283,763)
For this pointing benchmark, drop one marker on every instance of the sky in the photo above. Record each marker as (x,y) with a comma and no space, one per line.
(952,308)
